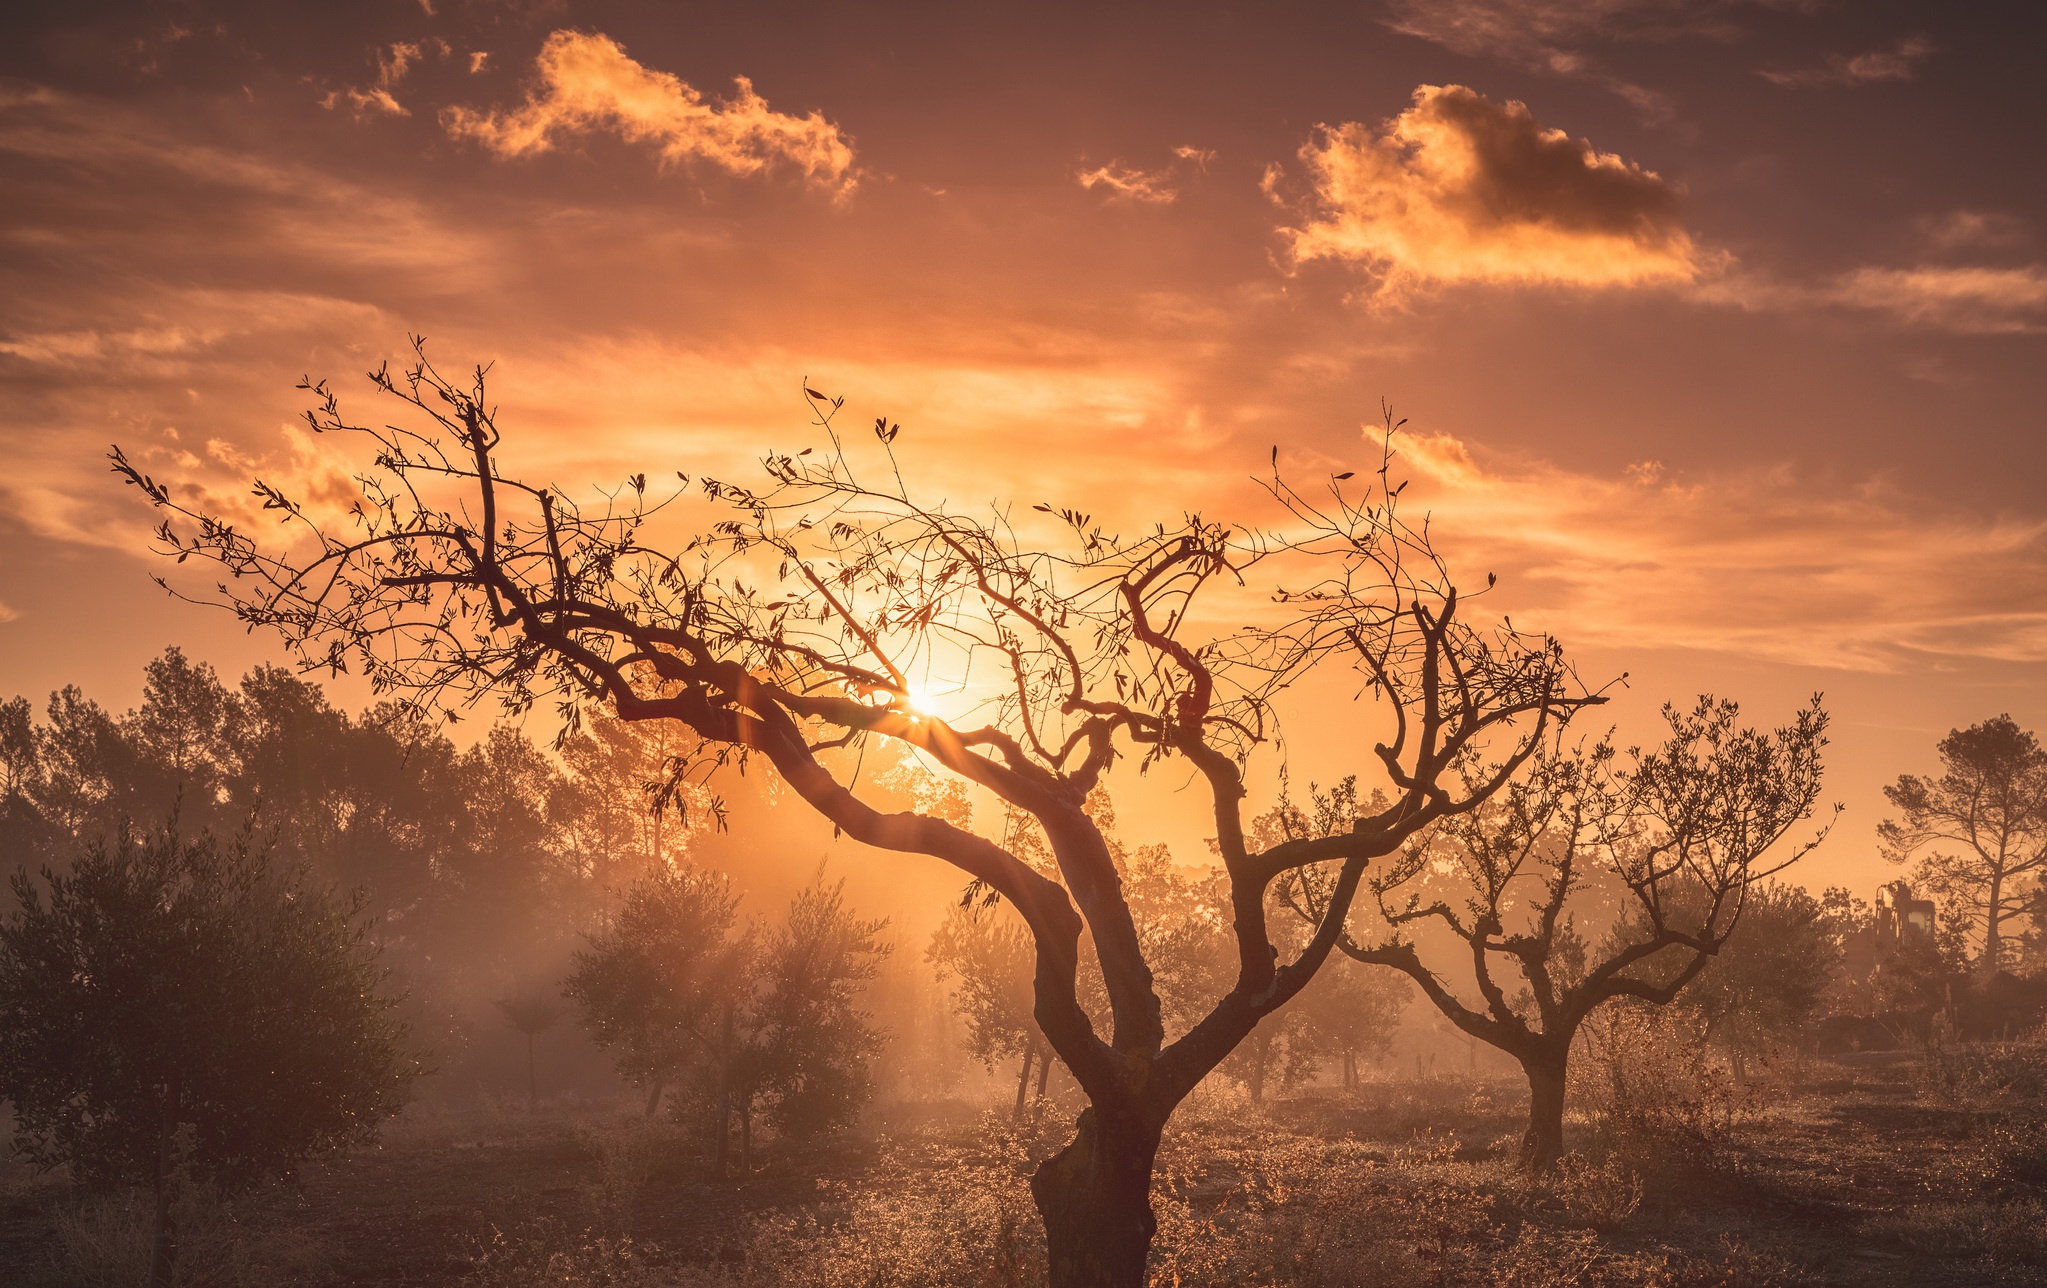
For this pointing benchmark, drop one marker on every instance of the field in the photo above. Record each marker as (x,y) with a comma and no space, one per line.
(1878,1169)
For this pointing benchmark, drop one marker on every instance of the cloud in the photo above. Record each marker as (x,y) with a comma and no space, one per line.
(393,61)
(1900,62)
(1763,563)
(1541,32)
(1551,35)
(1459,188)
(1152,187)
(1962,299)
(587,83)
(1968,229)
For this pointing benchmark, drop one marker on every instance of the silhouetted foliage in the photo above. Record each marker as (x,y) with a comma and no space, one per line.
(479,865)
(746,1023)
(1770,979)
(983,954)
(175,1005)
(651,987)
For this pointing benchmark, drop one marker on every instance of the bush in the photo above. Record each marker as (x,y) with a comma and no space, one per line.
(1654,1091)
(1985,1074)
(176,1010)
(1601,1194)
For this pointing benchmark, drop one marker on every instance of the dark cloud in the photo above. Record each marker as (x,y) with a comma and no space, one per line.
(1897,62)
(1459,188)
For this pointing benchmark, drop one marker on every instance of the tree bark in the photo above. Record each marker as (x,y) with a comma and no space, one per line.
(1023,1083)
(654,1096)
(1095,1199)
(1543,1143)
(1044,1072)
(1993,937)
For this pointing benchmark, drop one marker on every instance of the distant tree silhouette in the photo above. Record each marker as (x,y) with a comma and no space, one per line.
(651,986)
(1682,830)
(1981,827)
(530,1015)
(984,957)
(744,1021)
(1771,978)
(174,1006)
(793,622)
(1350,1014)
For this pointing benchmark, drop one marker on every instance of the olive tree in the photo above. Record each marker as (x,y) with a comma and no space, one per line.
(800,620)
(1682,831)
(742,1019)
(176,1007)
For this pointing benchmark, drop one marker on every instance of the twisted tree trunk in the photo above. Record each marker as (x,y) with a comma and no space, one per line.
(1095,1198)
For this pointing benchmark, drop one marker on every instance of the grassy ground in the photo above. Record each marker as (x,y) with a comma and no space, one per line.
(1864,1170)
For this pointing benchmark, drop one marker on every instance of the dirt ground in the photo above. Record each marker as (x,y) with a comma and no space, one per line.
(1855,1175)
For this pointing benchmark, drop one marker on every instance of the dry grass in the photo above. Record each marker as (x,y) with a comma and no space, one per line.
(1873,1173)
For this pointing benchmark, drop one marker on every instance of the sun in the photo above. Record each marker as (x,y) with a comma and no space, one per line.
(921,699)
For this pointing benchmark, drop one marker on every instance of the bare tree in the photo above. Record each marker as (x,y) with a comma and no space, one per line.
(1681,831)
(1982,825)
(795,624)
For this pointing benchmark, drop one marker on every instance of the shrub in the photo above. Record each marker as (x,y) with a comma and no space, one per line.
(1986,1074)
(1655,1093)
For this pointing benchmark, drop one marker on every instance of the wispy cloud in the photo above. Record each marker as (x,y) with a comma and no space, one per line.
(1152,187)
(1969,300)
(1553,35)
(587,82)
(1158,187)
(1959,299)
(1460,189)
(1764,563)
(1898,62)
(377,99)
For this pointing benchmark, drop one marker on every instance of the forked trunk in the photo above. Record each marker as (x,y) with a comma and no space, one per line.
(1044,1073)
(1095,1198)
(1543,1144)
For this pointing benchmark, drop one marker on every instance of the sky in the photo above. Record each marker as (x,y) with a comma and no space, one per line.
(1717,325)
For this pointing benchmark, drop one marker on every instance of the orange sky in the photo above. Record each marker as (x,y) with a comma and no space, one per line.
(1718,324)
